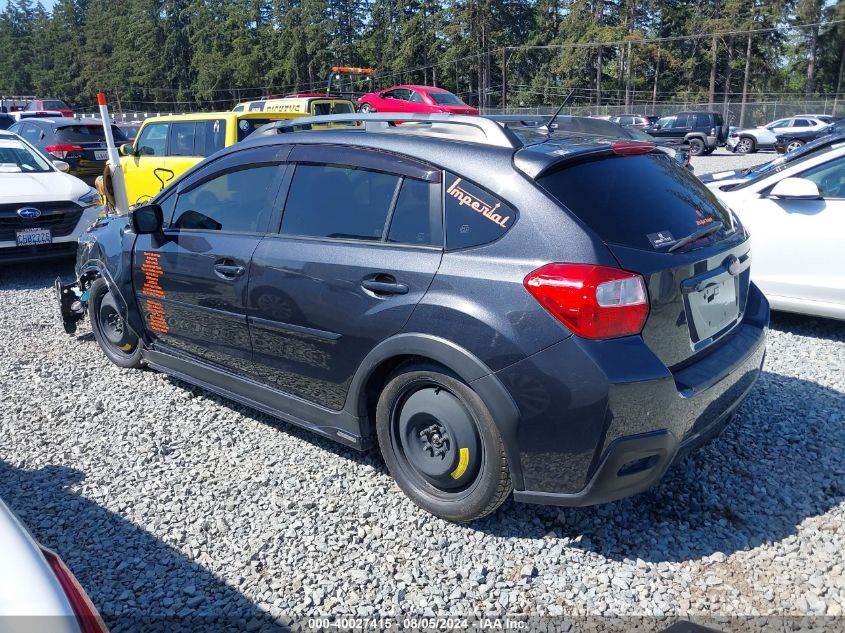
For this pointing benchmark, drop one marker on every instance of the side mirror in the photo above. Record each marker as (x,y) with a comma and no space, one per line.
(796,189)
(61,165)
(127,150)
(147,219)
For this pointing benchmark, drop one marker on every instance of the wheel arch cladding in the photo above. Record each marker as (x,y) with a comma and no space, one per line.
(389,354)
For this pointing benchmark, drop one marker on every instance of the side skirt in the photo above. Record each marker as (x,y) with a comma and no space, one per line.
(336,425)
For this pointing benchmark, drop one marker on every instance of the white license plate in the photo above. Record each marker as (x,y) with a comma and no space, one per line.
(101,154)
(33,237)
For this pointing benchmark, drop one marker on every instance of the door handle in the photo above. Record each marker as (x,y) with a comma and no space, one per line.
(385,287)
(229,271)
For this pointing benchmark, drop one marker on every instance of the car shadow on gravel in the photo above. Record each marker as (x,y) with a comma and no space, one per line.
(781,462)
(35,275)
(802,325)
(136,581)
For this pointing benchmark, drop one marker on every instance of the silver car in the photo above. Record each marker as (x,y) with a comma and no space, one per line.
(37,591)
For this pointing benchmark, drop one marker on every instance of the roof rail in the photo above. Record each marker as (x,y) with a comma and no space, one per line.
(476,129)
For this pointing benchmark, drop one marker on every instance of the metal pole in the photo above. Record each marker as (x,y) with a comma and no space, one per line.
(504,77)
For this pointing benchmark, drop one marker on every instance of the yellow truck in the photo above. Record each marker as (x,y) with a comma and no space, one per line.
(168,146)
(302,104)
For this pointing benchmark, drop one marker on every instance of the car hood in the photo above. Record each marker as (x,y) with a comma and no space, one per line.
(52,186)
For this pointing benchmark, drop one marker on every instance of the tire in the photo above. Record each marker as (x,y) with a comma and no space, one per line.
(440,443)
(709,151)
(793,145)
(366,107)
(746,145)
(696,147)
(118,343)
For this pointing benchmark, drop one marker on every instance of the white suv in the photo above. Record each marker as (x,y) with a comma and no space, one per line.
(42,210)
(750,140)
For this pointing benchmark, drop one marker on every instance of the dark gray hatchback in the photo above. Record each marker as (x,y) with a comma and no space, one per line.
(561,315)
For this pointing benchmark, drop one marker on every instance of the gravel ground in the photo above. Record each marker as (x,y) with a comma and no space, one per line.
(724,160)
(166,500)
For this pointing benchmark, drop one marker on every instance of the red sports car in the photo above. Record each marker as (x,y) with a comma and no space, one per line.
(414,99)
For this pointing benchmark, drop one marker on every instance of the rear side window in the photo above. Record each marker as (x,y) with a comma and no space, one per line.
(247,126)
(152,141)
(87,134)
(233,201)
(646,201)
(339,201)
(416,217)
(702,120)
(474,216)
(210,137)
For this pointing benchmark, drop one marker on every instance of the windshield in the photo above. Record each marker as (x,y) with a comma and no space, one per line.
(17,157)
(445,98)
(87,133)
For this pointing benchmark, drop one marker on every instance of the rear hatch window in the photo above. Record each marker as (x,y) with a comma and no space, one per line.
(648,202)
(87,134)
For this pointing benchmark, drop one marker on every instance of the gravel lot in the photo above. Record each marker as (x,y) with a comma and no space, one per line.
(166,501)
(724,160)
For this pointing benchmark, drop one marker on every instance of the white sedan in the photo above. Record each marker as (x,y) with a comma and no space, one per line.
(42,210)
(796,217)
(37,590)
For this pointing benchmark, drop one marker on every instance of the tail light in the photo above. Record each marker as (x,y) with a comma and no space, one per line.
(595,302)
(61,151)
(712,131)
(87,618)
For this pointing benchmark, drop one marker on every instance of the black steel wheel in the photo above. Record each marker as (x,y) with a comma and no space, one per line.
(441,444)
(118,342)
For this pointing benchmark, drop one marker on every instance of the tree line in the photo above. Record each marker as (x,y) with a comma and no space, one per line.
(208,54)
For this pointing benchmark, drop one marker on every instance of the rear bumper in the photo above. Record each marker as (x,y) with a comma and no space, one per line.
(600,441)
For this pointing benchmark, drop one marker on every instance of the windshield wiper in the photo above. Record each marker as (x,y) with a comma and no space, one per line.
(697,235)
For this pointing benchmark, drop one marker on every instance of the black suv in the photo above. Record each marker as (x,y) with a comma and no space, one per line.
(79,142)
(561,315)
(704,131)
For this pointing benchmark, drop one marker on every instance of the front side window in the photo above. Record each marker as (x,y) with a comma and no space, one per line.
(182,139)
(338,201)
(665,123)
(682,121)
(829,177)
(234,201)
(474,216)
(777,125)
(152,141)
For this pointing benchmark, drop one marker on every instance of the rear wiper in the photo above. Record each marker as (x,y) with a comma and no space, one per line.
(697,235)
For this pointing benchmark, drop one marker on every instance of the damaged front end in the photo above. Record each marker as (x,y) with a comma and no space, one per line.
(73,303)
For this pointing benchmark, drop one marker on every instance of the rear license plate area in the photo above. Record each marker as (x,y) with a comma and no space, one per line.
(712,308)
(101,154)
(33,237)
